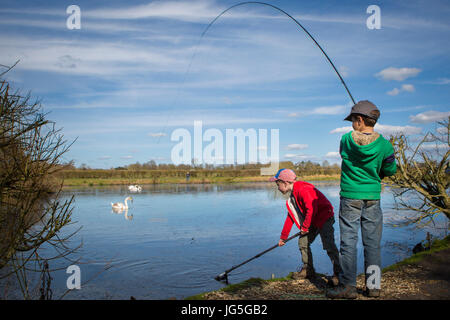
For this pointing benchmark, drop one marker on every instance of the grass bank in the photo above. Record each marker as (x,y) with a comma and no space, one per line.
(423,275)
(437,245)
(86,182)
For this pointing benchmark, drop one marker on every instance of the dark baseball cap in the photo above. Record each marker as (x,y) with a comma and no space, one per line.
(365,108)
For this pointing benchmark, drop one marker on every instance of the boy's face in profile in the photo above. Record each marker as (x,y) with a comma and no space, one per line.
(357,122)
(283,187)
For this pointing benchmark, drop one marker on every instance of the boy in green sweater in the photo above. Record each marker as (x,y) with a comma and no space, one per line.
(367,157)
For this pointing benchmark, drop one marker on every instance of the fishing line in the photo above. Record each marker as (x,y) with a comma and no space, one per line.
(276,8)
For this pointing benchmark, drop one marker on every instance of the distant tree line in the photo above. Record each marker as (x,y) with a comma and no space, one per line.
(151,169)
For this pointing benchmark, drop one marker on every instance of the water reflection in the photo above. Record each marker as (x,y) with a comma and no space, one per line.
(124,211)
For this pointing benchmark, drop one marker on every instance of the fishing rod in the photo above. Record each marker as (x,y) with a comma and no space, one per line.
(292,18)
(278,9)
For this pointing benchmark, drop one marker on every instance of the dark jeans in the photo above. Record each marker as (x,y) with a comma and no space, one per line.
(328,244)
(353,214)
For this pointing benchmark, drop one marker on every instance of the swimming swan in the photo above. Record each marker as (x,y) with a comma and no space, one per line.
(120,205)
(135,188)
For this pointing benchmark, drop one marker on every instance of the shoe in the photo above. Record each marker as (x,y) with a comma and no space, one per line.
(305,273)
(342,292)
(373,293)
(334,280)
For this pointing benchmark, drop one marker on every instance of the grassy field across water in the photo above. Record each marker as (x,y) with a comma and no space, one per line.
(85,181)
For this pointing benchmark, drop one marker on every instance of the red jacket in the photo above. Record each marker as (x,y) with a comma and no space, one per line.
(313,205)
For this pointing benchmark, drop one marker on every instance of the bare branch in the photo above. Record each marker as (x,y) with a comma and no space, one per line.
(423,174)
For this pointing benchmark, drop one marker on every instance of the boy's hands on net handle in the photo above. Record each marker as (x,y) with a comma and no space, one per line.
(282,242)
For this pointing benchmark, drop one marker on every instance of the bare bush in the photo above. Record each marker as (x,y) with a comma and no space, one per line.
(31,210)
(422,179)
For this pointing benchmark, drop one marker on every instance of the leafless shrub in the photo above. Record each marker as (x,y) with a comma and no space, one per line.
(31,210)
(422,180)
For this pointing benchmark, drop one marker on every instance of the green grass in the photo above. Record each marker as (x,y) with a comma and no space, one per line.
(233,288)
(200,296)
(91,182)
(436,246)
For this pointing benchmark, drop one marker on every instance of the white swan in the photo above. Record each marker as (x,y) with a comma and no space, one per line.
(120,205)
(134,188)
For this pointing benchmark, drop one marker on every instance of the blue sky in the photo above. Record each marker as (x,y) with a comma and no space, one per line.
(136,71)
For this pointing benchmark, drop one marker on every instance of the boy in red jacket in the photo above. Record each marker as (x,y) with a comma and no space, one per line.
(313,214)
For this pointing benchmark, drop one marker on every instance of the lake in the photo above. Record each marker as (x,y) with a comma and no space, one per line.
(174,239)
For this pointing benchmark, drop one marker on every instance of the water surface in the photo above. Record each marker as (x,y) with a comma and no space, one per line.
(174,239)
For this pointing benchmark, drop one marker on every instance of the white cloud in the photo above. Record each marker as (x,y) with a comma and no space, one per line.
(330,110)
(186,11)
(158,158)
(408,88)
(384,129)
(393,21)
(45,23)
(296,146)
(67,61)
(429,116)
(105,59)
(343,70)
(126,157)
(293,156)
(326,110)
(404,87)
(403,109)
(398,74)
(434,146)
(333,155)
(442,81)
(442,130)
(393,92)
(387,130)
(157,135)
(203,8)
(161,122)
(342,130)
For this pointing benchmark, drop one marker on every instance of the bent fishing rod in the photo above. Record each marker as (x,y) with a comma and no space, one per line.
(278,9)
(293,19)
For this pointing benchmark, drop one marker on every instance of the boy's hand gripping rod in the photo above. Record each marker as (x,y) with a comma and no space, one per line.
(224,275)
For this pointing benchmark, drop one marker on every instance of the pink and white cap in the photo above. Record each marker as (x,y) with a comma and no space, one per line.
(287,175)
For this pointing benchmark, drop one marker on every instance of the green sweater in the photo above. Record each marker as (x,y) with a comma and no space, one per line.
(363,167)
